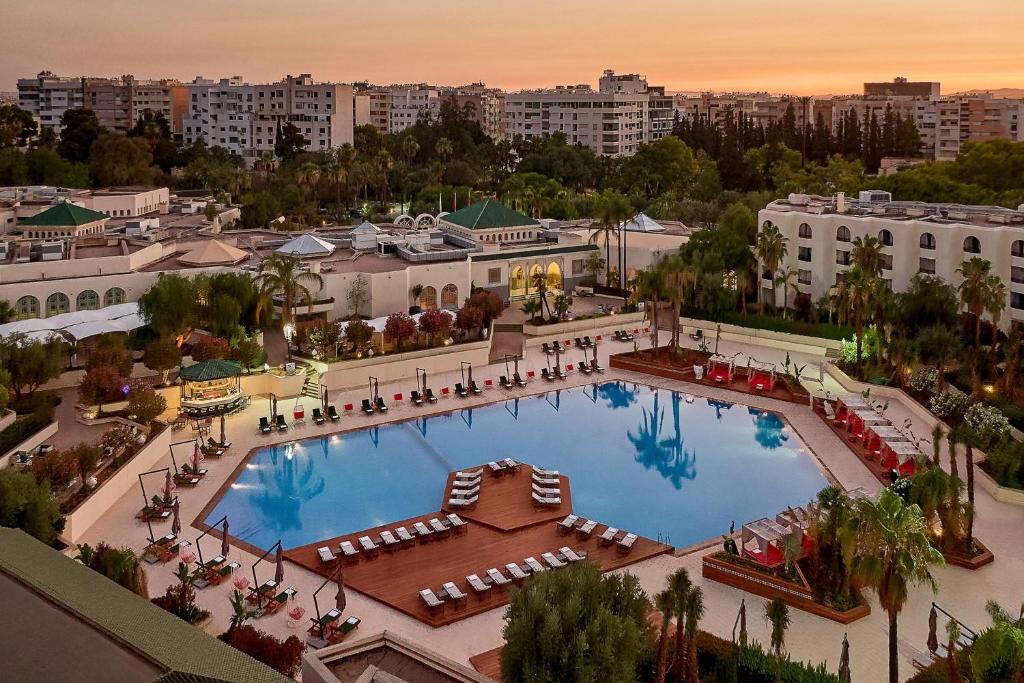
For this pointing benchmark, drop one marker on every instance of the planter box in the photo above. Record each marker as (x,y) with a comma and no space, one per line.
(575,328)
(770,587)
(31,442)
(972,563)
(390,367)
(1003,494)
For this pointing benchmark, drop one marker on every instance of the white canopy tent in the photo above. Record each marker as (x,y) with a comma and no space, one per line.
(79,324)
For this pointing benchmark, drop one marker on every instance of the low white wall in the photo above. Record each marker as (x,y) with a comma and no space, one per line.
(350,374)
(111,490)
(31,442)
(536,334)
(8,417)
(750,335)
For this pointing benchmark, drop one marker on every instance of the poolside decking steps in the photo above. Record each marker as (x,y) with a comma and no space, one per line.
(395,577)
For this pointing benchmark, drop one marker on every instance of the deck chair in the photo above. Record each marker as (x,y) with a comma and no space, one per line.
(553,561)
(415,398)
(265,427)
(518,379)
(477,584)
(429,393)
(547,375)
(318,417)
(585,367)
(381,406)
(433,602)
(567,524)
(516,572)
(217,444)
(504,382)
(595,366)
(461,390)
(366,407)
(497,578)
(325,555)
(587,341)
(571,555)
(282,426)
(332,413)
(475,389)
(535,566)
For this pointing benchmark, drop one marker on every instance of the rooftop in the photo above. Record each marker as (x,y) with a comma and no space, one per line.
(64,214)
(488,215)
(879,204)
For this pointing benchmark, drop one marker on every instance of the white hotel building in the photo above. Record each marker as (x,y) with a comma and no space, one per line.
(917,237)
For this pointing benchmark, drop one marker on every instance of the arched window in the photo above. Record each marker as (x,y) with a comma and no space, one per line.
(1017,248)
(766,225)
(27,307)
(554,277)
(450,297)
(428,298)
(805,231)
(57,303)
(885,237)
(843,234)
(972,245)
(88,300)
(114,296)
(517,282)
(927,240)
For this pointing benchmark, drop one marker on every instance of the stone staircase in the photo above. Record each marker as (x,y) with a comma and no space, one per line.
(311,387)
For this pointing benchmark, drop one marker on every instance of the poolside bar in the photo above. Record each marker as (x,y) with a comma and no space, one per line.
(211,387)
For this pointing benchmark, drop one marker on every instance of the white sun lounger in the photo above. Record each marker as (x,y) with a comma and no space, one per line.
(347,549)
(568,523)
(509,463)
(476,584)
(453,591)
(546,500)
(463,502)
(608,536)
(627,541)
(432,600)
(466,493)
(571,555)
(388,538)
(325,554)
(468,474)
(516,571)
(535,566)
(466,483)
(496,467)
(404,535)
(498,578)
(437,526)
(553,561)
(545,473)
(586,528)
(545,491)
(367,544)
(546,481)
(421,529)
(456,521)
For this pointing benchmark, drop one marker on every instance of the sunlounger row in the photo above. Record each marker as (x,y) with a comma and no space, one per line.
(392,540)
(584,528)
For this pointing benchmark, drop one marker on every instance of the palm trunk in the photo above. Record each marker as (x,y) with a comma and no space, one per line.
(693,665)
(678,662)
(977,330)
(894,661)
(659,674)
(970,495)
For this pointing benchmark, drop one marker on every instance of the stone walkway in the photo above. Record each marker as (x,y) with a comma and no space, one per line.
(809,638)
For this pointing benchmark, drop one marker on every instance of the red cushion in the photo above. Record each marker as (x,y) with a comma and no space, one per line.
(568,366)
(348,406)
(398,397)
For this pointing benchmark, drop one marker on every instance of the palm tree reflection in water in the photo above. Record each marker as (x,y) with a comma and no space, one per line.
(769,429)
(617,394)
(665,455)
(285,487)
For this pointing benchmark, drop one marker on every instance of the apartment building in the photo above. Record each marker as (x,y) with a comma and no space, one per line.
(244,118)
(373,108)
(901,87)
(408,103)
(486,106)
(47,96)
(917,237)
(760,108)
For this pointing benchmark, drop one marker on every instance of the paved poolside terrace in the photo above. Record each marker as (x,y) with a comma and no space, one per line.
(809,638)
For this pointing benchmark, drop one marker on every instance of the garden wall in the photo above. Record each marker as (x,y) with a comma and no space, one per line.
(111,490)
(574,328)
(752,335)
(31,442)
(350,374)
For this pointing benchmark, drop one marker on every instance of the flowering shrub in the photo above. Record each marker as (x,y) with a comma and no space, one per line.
(924,380)
(951,402)
(988,422)
(284,656)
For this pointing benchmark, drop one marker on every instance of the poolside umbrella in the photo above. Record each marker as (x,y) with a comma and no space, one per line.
(323,401)
(743,623)
(339,597)
(223,436)
(168,486)
(197,458)
(844,662)
(224,547)
(933,623)
(176,522)
(279,572)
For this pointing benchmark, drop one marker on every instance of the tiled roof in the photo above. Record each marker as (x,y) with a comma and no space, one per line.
(487,215)
(134,621)
(64,214)
(214,368)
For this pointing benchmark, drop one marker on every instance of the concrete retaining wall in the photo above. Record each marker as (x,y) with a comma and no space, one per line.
(31,442)
(536,334)
(351,374)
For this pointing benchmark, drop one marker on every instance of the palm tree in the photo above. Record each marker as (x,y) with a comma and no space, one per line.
(610,206)
(937,435)
(776,615)
(787,279)
(968,437)
(384,163)
(678,277)
(694,613)
(539,280)
(770,249)
(995,304)
(309,176)
(974,272)
(867,253)
(279,275)
(444,149)
(649,287)
(6,311)
(531,307)
(336,173)
(680,586)
(892,554)
(665,602)
(858,288)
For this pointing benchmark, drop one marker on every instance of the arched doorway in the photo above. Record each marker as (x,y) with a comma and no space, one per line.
(450,297)
(57,303)
(428,298)
(554,277)
(531,283)
(517,283)
(88,300)
(27,307)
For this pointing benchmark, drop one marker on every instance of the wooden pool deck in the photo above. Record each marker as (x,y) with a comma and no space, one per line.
(504,527)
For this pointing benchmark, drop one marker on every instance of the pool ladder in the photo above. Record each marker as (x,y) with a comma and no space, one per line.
(664,538)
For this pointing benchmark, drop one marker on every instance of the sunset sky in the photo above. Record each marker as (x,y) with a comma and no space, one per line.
(796,46)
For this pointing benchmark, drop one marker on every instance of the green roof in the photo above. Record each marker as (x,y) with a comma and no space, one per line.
(124,616)
(215,368)
(527,252)
(64,214)
(488,215)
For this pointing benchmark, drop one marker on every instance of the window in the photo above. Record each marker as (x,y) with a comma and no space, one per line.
(578,266)
(805,231)
(1017,300)
(804,277)
(114,296)
(926,266)
(1017,274)
(927,240)
(1017,248)
(57,303)
(767,224)
(27,307)
(450,296)
(88,301)
(842,257)
(972,245)
(885,237)
(843,234)
(804,254)
(428,298)
(493,276)
(886,261)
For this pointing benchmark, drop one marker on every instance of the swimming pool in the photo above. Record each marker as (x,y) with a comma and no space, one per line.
(662,464)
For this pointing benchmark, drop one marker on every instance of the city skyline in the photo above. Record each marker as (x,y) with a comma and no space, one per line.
(735,45)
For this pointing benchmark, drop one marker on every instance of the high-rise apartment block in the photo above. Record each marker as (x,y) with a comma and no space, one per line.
(759,108)
(485,105)
(901,87)
(244,118)
(409,103)
(624,113)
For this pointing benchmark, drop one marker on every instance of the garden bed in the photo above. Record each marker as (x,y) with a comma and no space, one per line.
(732,571)
(979,559)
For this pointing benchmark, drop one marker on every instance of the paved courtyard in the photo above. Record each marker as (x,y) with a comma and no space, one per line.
(809,638)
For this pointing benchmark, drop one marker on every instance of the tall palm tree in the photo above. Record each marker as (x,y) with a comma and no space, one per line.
(444,149)
(787,279)
(859,287)
(770,249)
(336,173)
(694,613)
(969,438)
(892,554)
(995,304)
(776,615)
(937,435)
(867,253)
(665,603)
(279,275)
(539,280)
(678,277)
(680,585)
(309,177)
(649,288)
(384,162)
(972,290)
(610,206)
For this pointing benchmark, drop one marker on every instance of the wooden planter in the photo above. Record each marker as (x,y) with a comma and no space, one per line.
(973,563)
(771,587)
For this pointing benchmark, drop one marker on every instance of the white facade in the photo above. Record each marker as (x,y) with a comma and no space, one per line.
(129,202)
(406,105)
(47,97)
(918,238)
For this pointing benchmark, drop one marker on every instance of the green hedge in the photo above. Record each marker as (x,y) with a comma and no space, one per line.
(753,664)
(24,427)
(773,324)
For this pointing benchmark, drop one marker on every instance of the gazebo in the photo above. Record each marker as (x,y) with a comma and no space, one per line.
(211,387)
(761,376)
(721,368)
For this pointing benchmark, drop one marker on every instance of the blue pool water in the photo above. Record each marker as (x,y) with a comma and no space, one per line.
(647,460)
